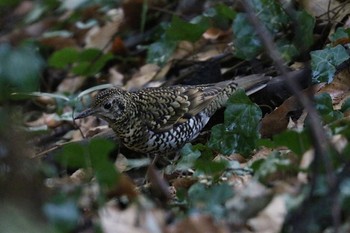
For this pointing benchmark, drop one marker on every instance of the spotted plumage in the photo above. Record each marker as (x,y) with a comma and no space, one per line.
(163,119)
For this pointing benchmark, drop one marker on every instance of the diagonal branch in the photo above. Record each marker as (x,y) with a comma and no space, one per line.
(320,140)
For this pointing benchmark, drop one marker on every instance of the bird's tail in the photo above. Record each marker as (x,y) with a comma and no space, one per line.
(252,83)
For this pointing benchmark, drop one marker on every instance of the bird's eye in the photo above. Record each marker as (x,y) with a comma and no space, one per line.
(107,106)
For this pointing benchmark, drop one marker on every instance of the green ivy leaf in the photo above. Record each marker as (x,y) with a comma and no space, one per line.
(90,62)
(246,43)
(287,50)
(271,14)
(304,31)
(20,69)
(239,133)
(63,215)
(159,52)
(298,142)
(271,164)
(182,30)
(73,155)
(87,62)
(210,199)
(64,57)
(346,105)
(105,170)
(340,33)
(225,11)
(324,63)
(94,155)
(189,155)
(325,108)
(211,168)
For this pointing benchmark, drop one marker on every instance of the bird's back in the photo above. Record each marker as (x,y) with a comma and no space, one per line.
(175,115)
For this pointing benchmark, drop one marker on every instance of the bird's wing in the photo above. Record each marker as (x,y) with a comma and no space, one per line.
(161,108)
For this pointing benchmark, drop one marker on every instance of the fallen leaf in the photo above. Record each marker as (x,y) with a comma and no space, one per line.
(197,224)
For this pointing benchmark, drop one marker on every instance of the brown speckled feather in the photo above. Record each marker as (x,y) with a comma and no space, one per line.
(168,106)
(163,119)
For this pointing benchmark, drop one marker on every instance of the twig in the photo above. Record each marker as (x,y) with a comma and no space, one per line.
(320,141)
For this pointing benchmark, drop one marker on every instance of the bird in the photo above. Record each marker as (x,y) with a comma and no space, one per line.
(159,120)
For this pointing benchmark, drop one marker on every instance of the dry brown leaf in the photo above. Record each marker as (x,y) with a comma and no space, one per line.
(317,7)
(88,127)
(339,88)
(100,37)
(216,33)
(58,42)
(134,219)
(70,84)
(277,121)
(197,224)
(32,31)
(51,120)
(115,77)
(183,182)
(247,202)
(116,220)
(270,219)
(125,187)
(146,74)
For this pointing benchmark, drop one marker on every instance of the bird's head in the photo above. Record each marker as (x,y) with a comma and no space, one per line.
(110,105)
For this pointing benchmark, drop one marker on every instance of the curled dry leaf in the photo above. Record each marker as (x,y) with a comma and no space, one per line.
(216,33)
(277,121)
(183,182)
(270,219)
(50,120)
(125,187)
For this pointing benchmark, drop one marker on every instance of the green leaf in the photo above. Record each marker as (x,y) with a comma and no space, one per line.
(64,215)
(287,50)
(324,63)
(64,57)
(325,108)
(271,164)
(239,133)
(346,105)
(90,62)
(247,45)
(340,33)
(20,69)
(73,155)
(298,142)
(271,14)
(8,3)
(189,155)
(182,30)
(210,168)
(95,155)
(210,199)
(305,24)
(104,168)
(159,52)
(225,11)
(87,62)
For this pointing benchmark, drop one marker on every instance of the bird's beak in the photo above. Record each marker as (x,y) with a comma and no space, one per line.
(85,113)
